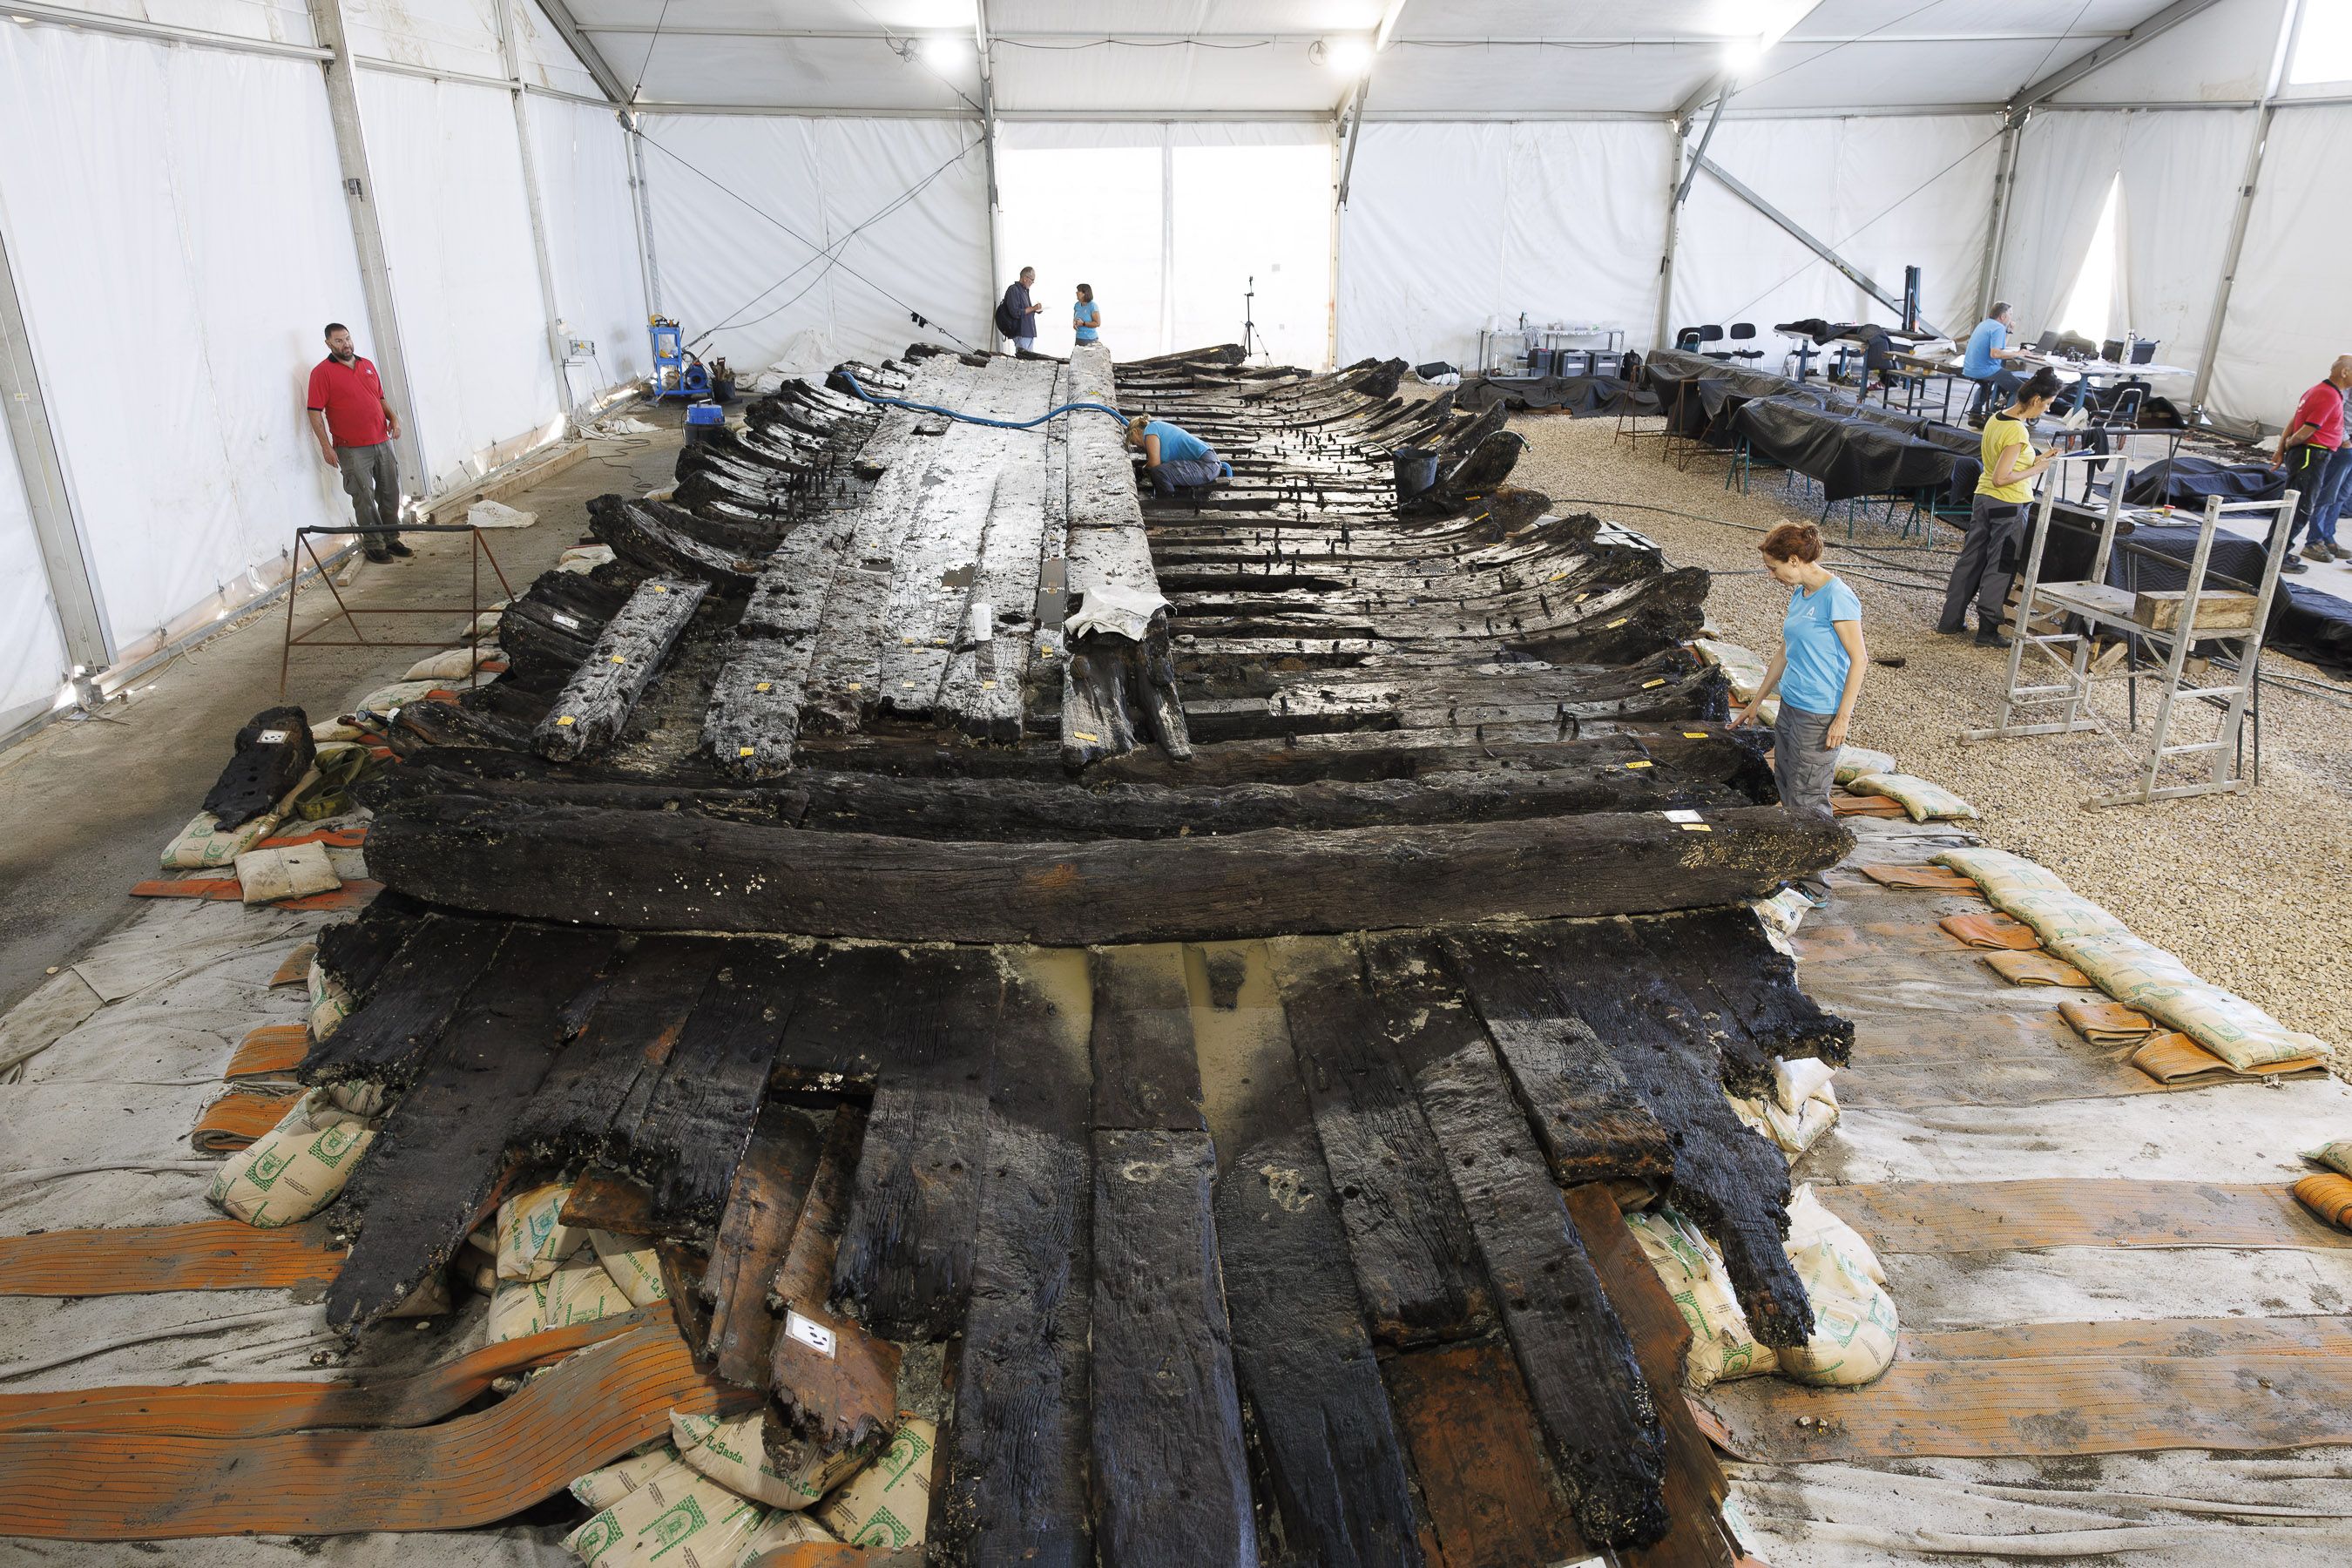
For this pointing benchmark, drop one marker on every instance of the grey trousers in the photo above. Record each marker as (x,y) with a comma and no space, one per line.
(1185,473)
(1989,557)
(1802,769)
(372,478)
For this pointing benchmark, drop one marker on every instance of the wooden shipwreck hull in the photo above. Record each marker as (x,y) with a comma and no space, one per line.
(1207,959)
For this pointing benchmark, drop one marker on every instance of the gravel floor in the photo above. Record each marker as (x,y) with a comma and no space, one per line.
(2249,890)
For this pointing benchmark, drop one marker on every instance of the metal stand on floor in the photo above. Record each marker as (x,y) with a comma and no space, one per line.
(472,609)
(2092,607)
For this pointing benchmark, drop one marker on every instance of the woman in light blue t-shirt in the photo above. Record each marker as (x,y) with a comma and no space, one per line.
(1817,672)
(1085,316)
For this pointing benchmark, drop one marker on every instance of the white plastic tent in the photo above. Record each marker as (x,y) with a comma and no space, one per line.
(189,187)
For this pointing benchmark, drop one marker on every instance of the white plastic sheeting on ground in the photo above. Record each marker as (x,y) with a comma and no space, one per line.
(456,234)
(1884,192)
(1173,225)
(177,229)
(583,181)
(749,216)
(1448,223)
(32,649)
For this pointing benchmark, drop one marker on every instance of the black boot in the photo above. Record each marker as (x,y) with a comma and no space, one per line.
(1989,635)
(398,547)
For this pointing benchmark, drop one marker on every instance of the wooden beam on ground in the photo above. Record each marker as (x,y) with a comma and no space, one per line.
(597,700)
(772,1185)
(833,1383)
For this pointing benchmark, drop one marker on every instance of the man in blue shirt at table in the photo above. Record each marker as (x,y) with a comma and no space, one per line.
(1987,347)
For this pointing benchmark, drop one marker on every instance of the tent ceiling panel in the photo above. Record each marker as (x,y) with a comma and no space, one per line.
(1889,75)
(445,34)
(1666,20)
(1555,80)
(1204,18)
(848,74)
(779,15)
(2221,55)
(1980,18)
(547,60)
(1274,78)
(278,21)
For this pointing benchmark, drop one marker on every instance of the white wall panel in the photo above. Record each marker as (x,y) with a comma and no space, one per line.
(592,236)
(2180,178)
(743,205)
(2222,53)
(32,649)
(447,35)
(1883,193)
(179,238)
(456,234)
(2289,312)
(1450,223)
(2064,164)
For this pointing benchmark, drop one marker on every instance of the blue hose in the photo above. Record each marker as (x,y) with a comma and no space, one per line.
(975,418)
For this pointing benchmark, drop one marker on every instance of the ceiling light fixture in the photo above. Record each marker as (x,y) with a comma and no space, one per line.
(943,50)
(1740,54)
(1348,56)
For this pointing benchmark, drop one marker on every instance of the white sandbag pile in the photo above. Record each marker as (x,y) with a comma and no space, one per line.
(299,1166)
(204,843)
(1745,670)
(454,664)
(2134,972)
(1801,1105)
(1922,801)
(1855,1326)
(294,871)
(547,1274)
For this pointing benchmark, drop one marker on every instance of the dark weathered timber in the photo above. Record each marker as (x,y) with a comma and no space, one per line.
(1320,1417)
(771,1183)
(1578,1366)
(410,1005)
(1170,1479)
(791,596)
(848,1398)
(355,951)
(1015,1491)
(1492,1493)
(701,1112)
(1146,1074)
(608,1200)
(1696,755)
(598,698)
(424,1182)
(1408,1243)
(274,750)
(753,724)
(617,1055)
(444,723)
(667,871)
(1733,1181)
(1756,981)
(652,548)
(1591,1121)
(1695,1486)
(904,1264)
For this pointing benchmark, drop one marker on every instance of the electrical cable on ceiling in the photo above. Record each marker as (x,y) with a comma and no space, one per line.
(648,60)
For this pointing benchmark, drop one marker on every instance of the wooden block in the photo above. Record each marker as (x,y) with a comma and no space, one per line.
(1145,1076)
(1015,1490)
(1492,1495)
(771,1183)
(607,1200)
(1171,1480)
(596,701)
(416,992)
(833,1383)
(1408,1243)
(904,1264)
(2218,610)
(595,1093)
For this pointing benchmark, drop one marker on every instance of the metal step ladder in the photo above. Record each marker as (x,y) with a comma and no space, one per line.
(2097,607)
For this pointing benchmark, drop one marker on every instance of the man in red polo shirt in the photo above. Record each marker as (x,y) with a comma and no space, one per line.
(2306,448)
(355,432)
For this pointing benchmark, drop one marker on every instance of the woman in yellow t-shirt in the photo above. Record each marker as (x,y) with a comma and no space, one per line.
(1988,555)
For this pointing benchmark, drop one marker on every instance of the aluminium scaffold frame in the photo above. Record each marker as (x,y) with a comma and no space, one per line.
(2095,606)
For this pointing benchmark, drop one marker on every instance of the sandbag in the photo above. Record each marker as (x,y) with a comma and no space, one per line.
(2108,1023)
(330,1003)
(585,558)
(1791,1132)
(204,842)
(295,1169)
(783,1528)
(1854,1322)
(2329,1197)
(1687,1263)
(296,871)
(2336,1156)
(1745,669)
(754,1455)
(631,1263)
(1797,1080)
(1853,762)
(273,751)
(389,699)
(2143,975)
(452,664)
(337,729)
(888,1503)
(602,1489)
(532,1236)
(675,1518)
(518,1307)
(1924,802)
(580,1291)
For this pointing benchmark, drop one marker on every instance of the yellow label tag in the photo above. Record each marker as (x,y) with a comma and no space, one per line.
(1694,735)
(1696,828)
(745,752)
(763,686)
(988,686)
(1082,735)
(618,659)
(907,684)
(562,721)
(657,588)
(857,686)
(1640,764)
(1647,684)
(1615,624)
(1558,575)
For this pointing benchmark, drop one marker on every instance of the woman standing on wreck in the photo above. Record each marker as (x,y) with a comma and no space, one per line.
(1818,672)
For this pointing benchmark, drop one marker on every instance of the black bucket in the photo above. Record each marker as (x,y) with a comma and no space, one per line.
(1416,471)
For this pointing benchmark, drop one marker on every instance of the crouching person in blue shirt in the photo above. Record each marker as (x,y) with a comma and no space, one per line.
(1818,671)
(1174,457)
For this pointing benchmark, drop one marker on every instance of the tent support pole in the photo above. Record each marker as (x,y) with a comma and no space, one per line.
(642,200)
(41,466)
(988,149)
(2004,183)
(512,57)
(367,236)
(2289,20)
(1676,181)
(1854,275)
